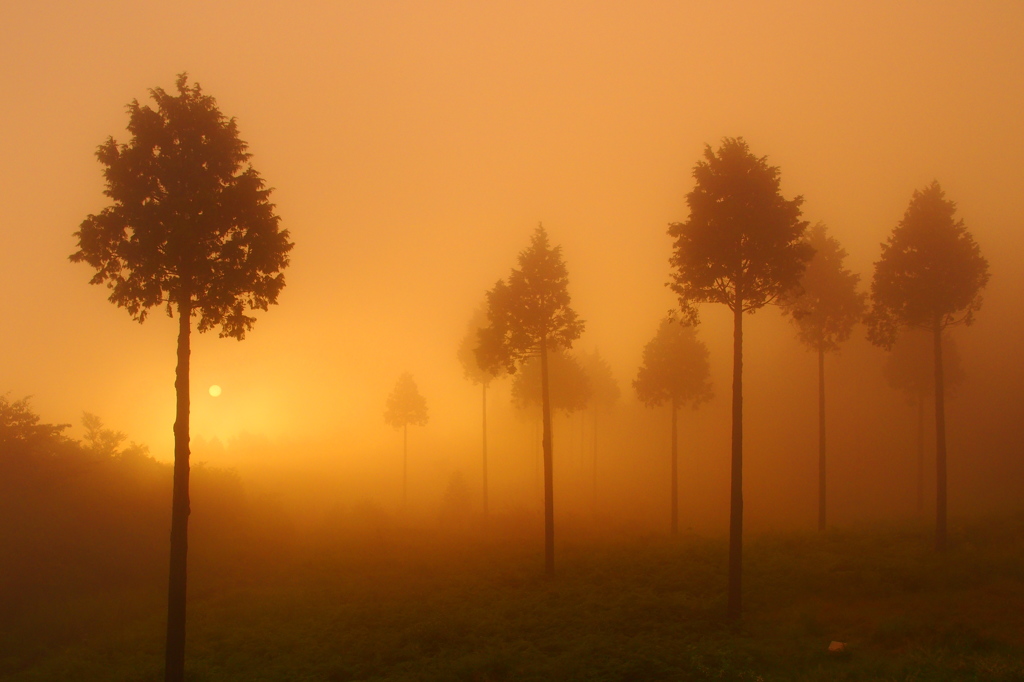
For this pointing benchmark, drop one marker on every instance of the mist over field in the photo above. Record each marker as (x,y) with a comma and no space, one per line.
(406,201)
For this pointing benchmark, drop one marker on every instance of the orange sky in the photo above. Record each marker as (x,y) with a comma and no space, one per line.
(414,147)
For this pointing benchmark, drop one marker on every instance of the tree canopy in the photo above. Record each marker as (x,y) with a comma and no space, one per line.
(191,222)
(569,384)
(469,357)
(675,367)
(405,405)
(826,305)
(531,308)
(604,388)
(742,244)
(931,271)
(909,367)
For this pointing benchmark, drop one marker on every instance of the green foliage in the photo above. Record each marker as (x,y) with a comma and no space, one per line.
(191,223)
(826,305)
(569,384)
(931,272)
(675,367)
(742,244)
(530,309)
(405,405)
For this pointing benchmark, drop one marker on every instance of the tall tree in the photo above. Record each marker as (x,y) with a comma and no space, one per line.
(909,368)
(190,227)
(741,246)
(478,373)
(824,308)
(674,371)
(930,276)
(529,314)
(605,393)
(405,406)
(569,387)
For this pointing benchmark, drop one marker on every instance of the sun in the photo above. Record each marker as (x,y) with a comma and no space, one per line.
(215,390)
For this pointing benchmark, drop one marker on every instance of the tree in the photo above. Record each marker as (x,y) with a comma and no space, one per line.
(190,227)
(674,371)
(19,424)
(741,246)
(569,386)
(824,308)
(930,276)
(529,314)
(478,374)
(405,406)
(604,394)
(909,369)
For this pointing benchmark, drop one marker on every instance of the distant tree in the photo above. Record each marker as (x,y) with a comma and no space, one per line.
(605,393)
(569,386)
(910,368)
(19,424)
(825,307)
(930,276)
(190,227)
(99,440)
(405,406)
(741,246)
(674,371)
(479,374)
(529,315)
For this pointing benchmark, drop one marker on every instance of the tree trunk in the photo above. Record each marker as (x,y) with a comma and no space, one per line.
(736,491)
(920,453)
(940,444)
(549,498)
(485,449)
(593,492)
(174,664)
(675,467)
(405,465)
(821,439)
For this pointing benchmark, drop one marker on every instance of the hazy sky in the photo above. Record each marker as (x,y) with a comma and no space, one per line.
(415,146)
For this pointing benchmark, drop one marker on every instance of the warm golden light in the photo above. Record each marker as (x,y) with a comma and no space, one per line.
(215,390)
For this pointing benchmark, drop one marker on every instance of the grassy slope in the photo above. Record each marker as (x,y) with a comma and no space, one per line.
(396,607)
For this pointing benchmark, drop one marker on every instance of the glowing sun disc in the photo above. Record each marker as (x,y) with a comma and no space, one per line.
(215,390)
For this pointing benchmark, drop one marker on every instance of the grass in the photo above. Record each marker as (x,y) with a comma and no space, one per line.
(400,606)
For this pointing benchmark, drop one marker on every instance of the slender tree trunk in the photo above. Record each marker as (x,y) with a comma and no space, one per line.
(549,497)
(675,467)
(821,440)
(593,492)
(920,453)
(405,465)
(485,449)
(174,665)
(940,444)
(736,491)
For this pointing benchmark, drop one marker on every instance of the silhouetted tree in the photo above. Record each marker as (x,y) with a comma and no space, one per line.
(930,275)
(529,315)
(910,368)
(191,227)
(568,384)
(674,371)
(824,308)
(405,406)
(102,441)
(604,393)
(741,246)
(478,374)
(19,424)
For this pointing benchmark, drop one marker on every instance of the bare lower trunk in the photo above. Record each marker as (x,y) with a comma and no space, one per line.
(174,665)
(736,488)
(593,495)
(821,440)
(485,449)
(549,497)
(675,467)
(405,465)
(920,453)
(940,444)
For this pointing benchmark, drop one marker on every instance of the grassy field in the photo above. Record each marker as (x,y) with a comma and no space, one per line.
(425,606)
